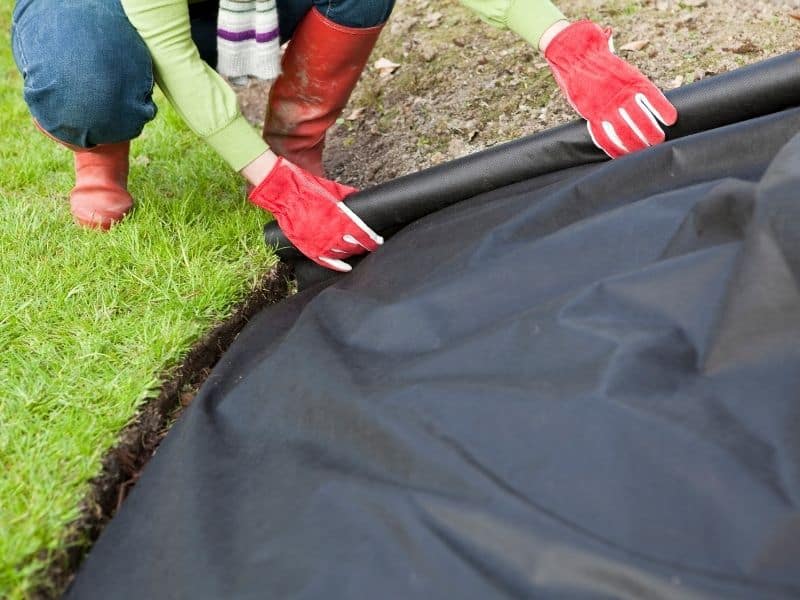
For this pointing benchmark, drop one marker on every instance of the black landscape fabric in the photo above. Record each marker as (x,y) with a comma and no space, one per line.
(746,93)
(581,385)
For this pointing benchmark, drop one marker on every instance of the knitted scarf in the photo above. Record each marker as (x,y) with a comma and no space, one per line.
(247,39)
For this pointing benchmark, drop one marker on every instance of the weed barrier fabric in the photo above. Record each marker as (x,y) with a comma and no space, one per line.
(756,90)
(581,385)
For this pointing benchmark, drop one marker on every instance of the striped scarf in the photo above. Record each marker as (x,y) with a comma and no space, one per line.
(247,39)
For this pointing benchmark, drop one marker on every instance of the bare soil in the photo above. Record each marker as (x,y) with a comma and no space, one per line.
(463,86)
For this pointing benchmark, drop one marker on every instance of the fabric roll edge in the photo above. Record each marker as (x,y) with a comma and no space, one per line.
(752,91)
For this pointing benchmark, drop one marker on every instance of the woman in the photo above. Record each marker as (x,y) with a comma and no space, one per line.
(89,68)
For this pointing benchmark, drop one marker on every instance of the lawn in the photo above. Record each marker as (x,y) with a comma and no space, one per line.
(90,322)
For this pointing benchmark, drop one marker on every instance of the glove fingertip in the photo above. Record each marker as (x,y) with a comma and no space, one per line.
(372,240)
(668,113)
(335,264)
(658,105)
(614,148)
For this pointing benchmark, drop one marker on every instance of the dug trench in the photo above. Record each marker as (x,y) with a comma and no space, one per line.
(137,443)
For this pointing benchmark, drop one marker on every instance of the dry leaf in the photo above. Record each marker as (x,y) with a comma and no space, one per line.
(385,63)
(746,47)
(385,67)
(434,19)
(634,46)
(438,157)
(355,114)
(795,15)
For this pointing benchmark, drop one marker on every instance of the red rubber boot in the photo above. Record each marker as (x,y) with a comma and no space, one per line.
(100,197)
(320,68)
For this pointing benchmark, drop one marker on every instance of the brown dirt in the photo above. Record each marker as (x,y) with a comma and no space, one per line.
(463,86)
(139,440)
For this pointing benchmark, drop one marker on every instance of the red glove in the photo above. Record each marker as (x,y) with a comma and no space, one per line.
(311,213)
(620,104)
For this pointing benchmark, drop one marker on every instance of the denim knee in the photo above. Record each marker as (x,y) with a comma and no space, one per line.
(356,13)
(88,76)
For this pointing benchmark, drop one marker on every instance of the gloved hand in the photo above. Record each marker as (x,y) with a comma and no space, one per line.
(620,104)
(311,213)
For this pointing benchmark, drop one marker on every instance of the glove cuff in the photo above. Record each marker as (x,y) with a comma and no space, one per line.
(575,43)
(264,195)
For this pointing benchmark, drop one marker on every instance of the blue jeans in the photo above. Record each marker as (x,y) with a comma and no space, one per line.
(350,13)
(88,76)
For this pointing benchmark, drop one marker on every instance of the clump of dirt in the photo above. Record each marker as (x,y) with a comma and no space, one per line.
(462,86)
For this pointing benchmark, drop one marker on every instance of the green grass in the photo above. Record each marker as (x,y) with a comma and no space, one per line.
(89,320)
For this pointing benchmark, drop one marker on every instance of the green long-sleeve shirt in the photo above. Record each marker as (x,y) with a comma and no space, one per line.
(209,105)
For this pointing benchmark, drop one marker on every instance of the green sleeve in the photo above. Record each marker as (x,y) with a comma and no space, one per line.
(203,99)
(527,18)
